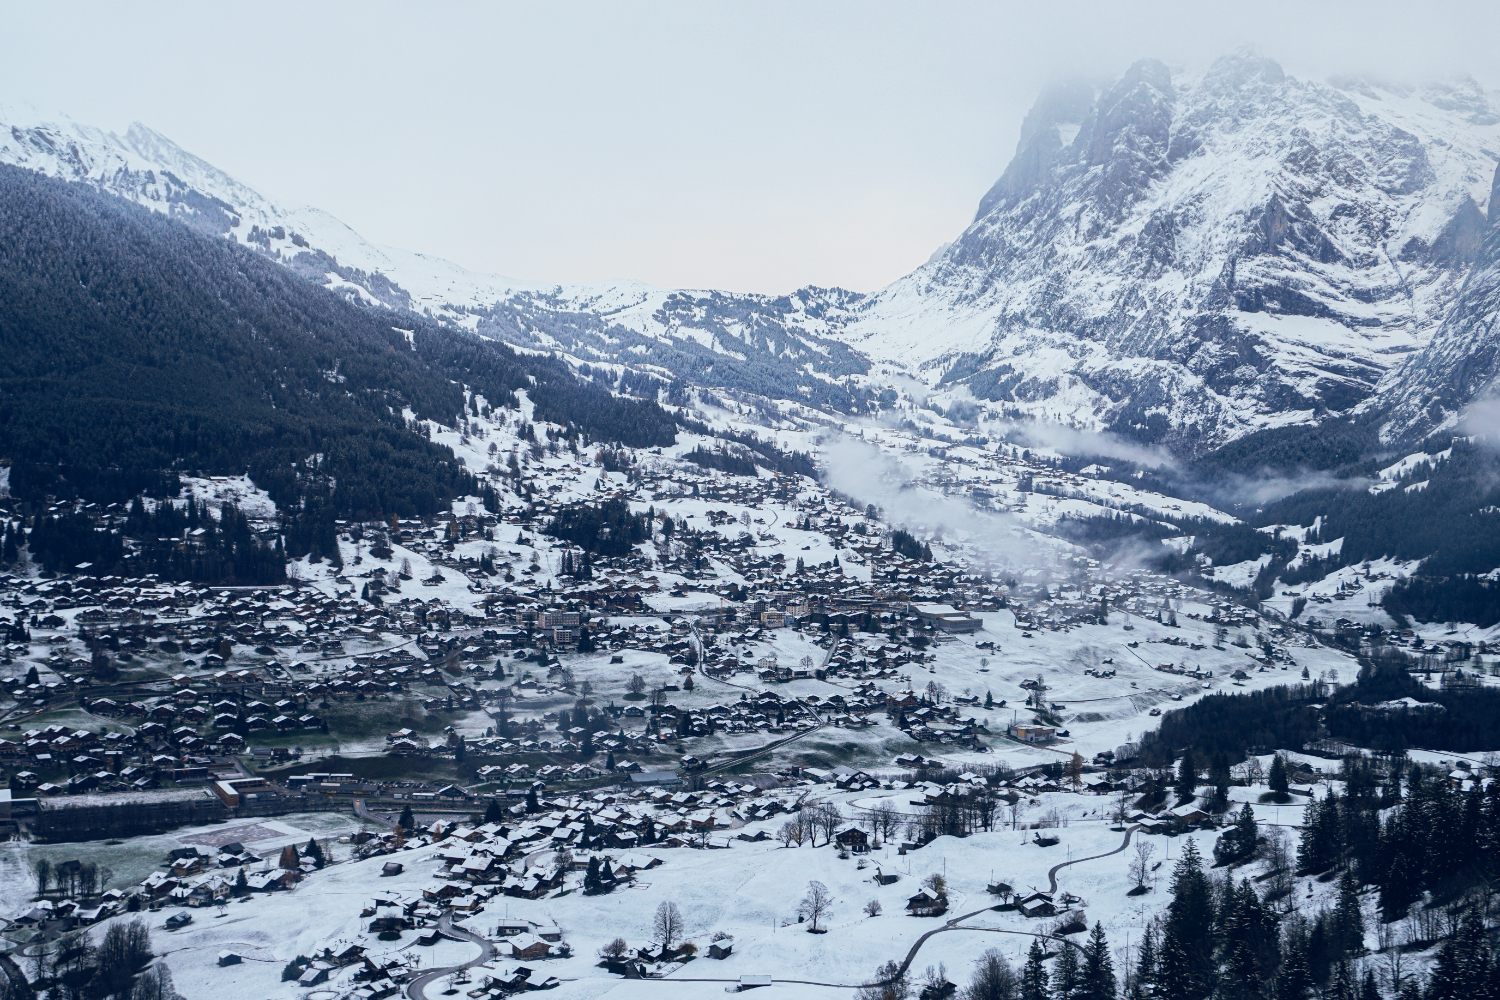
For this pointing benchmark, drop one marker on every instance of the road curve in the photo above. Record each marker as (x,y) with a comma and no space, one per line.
(1052,872)
(956,922)
(417,988)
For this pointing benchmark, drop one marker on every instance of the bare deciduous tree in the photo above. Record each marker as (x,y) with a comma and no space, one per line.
(822,818)
(668,924)
(1140,862)
(1395,971)
(994,979)
(792,832)
(872,908)
(125,948)
(1279,860)
(1254,773)
(815,905)
(884,819)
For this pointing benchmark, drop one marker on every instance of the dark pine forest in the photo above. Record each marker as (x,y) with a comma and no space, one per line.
(134,350)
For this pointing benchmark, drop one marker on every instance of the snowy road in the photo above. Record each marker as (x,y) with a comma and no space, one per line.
(418,988)
(956,924)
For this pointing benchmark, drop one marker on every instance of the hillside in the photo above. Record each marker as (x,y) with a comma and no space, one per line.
(135,348)
(1184,259)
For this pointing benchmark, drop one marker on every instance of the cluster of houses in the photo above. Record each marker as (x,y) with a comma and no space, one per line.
(191,877)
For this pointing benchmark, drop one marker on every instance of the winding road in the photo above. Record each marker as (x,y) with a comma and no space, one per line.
(417,989)
(956,924)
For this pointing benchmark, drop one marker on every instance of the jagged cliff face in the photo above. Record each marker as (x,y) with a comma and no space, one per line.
(1461,362)
(1190,259)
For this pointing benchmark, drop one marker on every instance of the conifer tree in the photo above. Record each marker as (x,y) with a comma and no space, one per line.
(1190,920)
(1143,983)
(1034,985)
(1242,981)
(1349,920)
(1098,967)
(1187,776)
(1066,977)
(1463,965)
(1295,980)
(1176,976)
(1277,780)
(1343,986)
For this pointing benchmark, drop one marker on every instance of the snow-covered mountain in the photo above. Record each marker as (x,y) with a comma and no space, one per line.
(1184,258)
(146,167)
(777,346)
(1462,359)
(1198,257)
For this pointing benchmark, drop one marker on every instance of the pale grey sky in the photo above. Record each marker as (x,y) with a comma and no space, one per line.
(747,146)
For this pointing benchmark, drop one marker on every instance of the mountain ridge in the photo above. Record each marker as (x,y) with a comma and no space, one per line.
(1182,259)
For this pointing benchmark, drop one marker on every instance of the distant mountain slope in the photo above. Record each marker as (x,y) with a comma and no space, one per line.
(1462,359)
(781,346)
(133,347)
(1190,259)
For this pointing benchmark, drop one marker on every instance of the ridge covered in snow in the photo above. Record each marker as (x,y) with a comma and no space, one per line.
(1181,258)
(1196,257)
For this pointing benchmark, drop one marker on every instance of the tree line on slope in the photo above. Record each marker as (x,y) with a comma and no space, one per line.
(136,349)
(1290,716)
(176,543)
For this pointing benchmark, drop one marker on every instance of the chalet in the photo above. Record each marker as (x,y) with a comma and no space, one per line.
(347,955)
(926,903)
(313,975)
(854,840)
(272,881)
(1038,904)
(529,948)
(1189,814)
